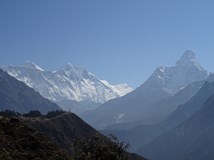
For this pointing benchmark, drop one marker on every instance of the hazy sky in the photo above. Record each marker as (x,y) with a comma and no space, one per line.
(117,40)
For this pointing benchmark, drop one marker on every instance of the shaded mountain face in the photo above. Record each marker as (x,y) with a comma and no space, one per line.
(192,139)
(17,96)
(68,83)
(144,101)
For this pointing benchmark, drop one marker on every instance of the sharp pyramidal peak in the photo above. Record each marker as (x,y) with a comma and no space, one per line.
(187,58)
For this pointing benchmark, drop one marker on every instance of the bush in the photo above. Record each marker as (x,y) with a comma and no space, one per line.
(100,148)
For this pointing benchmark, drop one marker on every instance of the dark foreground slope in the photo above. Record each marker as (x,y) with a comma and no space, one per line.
(17,96)
(63,129)
(42,138)
(192,139)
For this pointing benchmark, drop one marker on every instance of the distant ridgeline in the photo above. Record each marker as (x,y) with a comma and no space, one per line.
(32,114)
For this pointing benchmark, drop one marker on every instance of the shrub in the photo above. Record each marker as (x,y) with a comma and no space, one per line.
(100,148)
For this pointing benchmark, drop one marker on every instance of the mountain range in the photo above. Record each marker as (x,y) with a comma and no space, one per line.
(147,102)
(73,84)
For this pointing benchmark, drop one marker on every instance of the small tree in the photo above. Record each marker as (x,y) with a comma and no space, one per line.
(98,147)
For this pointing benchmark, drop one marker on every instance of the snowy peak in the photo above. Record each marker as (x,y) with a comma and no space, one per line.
(188,61)
(77,71)
(32,65)
(187,58)
(73,68)
(172,79)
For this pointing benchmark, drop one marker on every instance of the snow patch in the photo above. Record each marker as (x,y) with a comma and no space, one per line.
(119,117)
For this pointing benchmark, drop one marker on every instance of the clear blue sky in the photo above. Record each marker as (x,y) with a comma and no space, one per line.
(117,40)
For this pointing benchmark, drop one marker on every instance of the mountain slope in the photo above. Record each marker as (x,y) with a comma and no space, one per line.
(15,95)
(162,84)
(192,139)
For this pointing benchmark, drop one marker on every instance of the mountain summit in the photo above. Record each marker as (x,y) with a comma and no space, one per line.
(32,65)
(187,58)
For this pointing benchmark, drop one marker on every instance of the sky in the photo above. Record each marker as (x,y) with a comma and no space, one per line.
(121,41)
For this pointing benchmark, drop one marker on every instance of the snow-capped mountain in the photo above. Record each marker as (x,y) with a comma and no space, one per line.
(68,83)
(146,103)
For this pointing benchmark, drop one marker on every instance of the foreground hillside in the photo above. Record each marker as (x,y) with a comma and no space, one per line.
(54,138)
